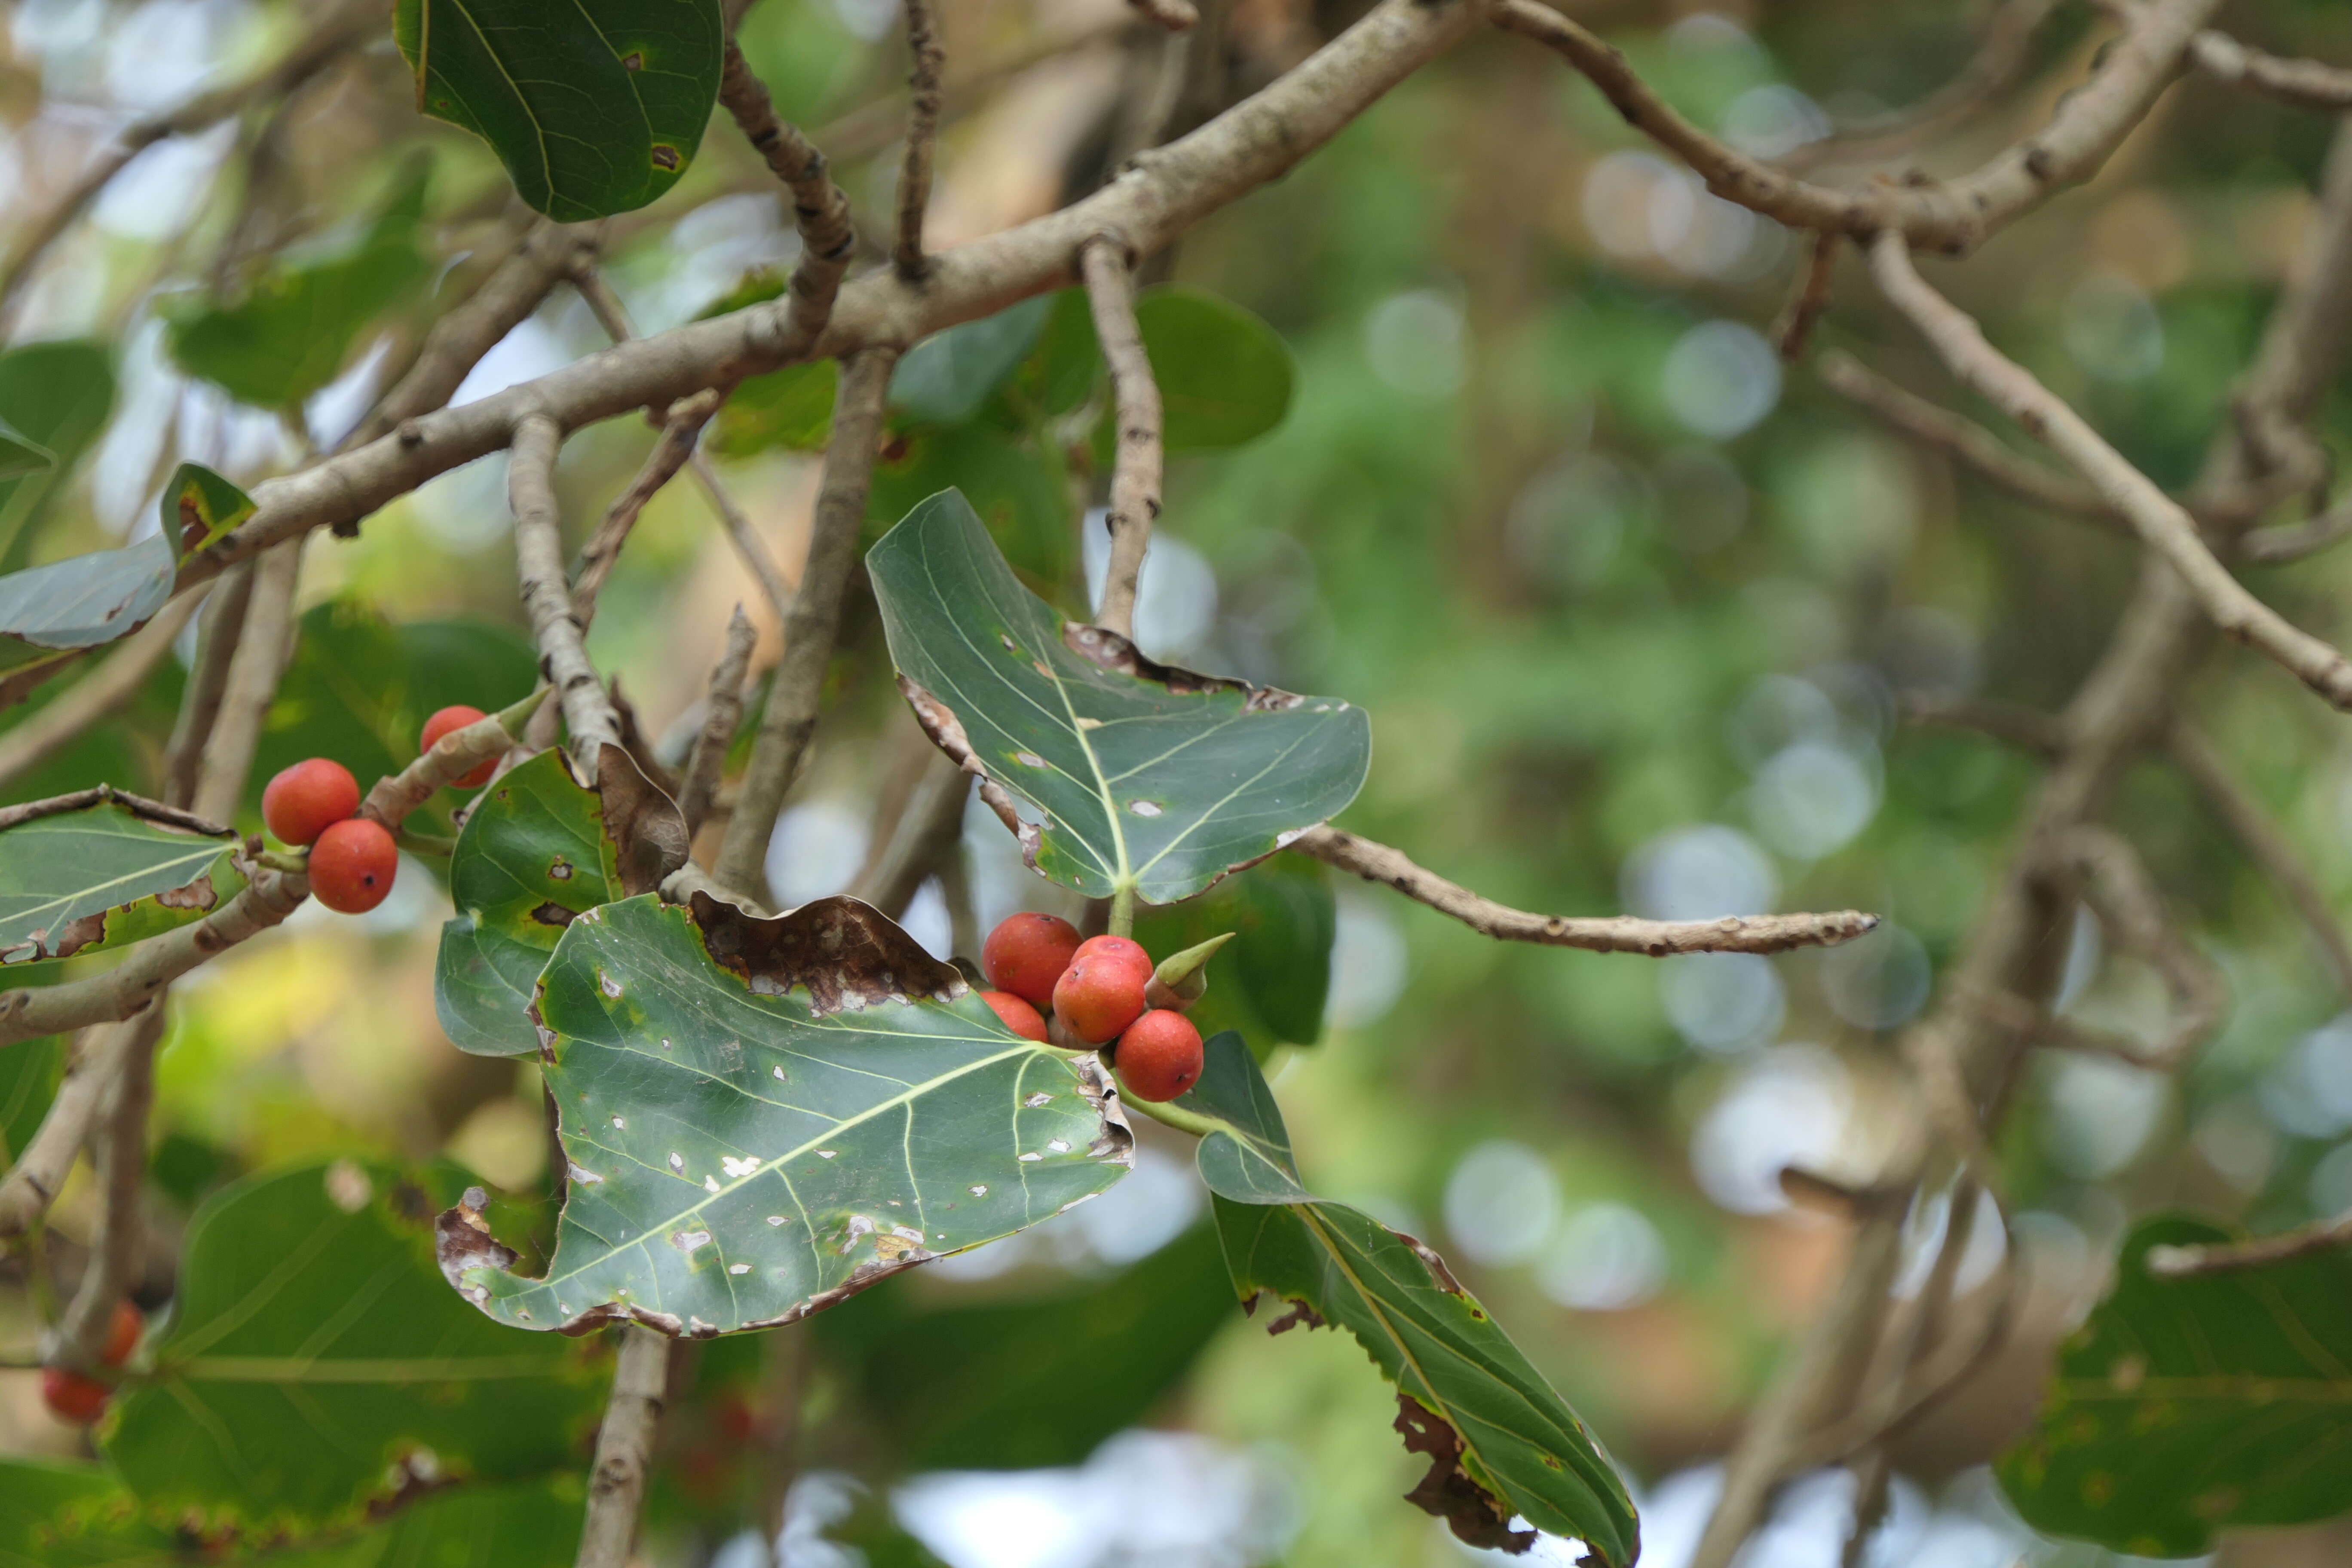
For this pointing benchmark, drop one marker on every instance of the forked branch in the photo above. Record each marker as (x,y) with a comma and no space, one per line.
(828,239)
(2161,523)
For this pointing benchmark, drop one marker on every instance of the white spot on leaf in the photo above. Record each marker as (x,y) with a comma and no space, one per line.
(607,984)
(684,1241)
(620,1121)
(775,1219)
(739,1269)
(1029,759)
(780,1074)
(827,1153)
(1040,1098)
(735,1167)
(1144,807)
(677,1162)
(709,1183)
(1025,1159)
(1059,1146)
(581,1174)
(979,1191)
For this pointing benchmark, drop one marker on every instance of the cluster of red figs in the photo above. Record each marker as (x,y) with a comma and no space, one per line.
(80,1399)
(352,857)
(1094,990)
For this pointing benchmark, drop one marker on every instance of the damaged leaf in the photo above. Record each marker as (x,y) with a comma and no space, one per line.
(762,1117)
(1502,1446)
(314,1351)
(594,107)
(1117,774)
(538,850)
(2186,1406)
(98,868)
(200,507)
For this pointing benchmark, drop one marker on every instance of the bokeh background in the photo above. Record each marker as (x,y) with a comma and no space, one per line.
(1630,601)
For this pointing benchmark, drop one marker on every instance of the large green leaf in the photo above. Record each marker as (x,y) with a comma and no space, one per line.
(764,1117)
(54,1514)
(56,396)
(1137,777)
(1269,983)
(21,454)
(944,379)
(1018,484)
(99,868)
(294,329)
(594,106)
(2185,1406)
(1032,1382)
(1500,1443)
(30,1075)
(315,1352)
(1224,375)
(536,853)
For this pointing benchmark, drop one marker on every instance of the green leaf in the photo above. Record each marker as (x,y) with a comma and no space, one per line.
(314,1349)
(1035,1381)
(594,107)
(1501,1444)
(789,408)
(1224,375)
(54,1514)
(295,328)
(2185,1406)
(96,869)
(533,857)
(1136,777)
(1016,483)
(21,454)
(199,507)
(83,601)
(56,396)
(944,379)
(1269,983)
(764,1117)
(30,1075)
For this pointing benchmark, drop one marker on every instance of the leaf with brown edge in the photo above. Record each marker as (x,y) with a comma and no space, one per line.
(1503,1445)
(763,1117)
(101,868)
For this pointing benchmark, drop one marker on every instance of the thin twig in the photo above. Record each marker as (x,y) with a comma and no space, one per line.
(2228,1257)
(928,60)
(810,628)
(2116,883)
(555,626)
(1135,478)
(2274,855)
(828,237)
(681,428)
(722,711)
(1609,933)
(262,648)
(624,1445)
(341,30)
(1805,307)
(1176,15)
(118,1149)
(2028,729)
(200,699)
(1953,216)
(1962,439)
(97,696)
(2305,84)
(2161,523)
(2294,541)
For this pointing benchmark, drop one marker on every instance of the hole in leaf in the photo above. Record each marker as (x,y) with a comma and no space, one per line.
(665,157)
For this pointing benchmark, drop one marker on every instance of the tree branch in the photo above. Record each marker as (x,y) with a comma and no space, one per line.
(200,699)
(2294,541)
(342,29)
(1996,66)
(1620,934)
(810,628)
(681,428)
(2116,883)
(39,1174)
(119,1148)
(555,626)
(722,711)
(1795,325)
(930,828)
(1954,216)
(922,135)
(828,238)
(625,1445)
(1135,476)
(1964,440)
(263,644)
(98,696)
(750,548)
(2161,523)
(2305,84)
